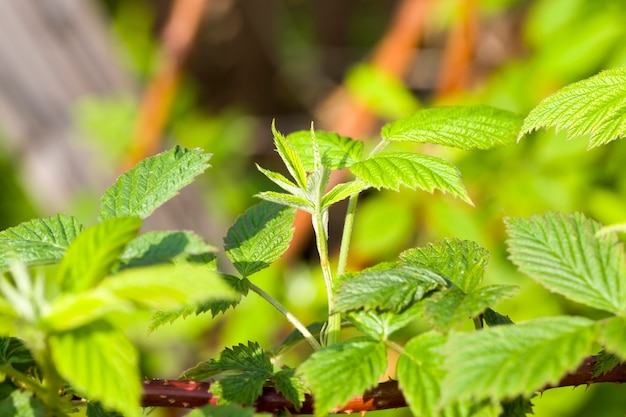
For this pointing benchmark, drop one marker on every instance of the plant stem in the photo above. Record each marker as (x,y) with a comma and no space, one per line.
(292,319)
(346,237)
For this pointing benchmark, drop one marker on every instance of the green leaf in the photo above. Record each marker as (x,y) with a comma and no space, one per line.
(451,306)
(242,371)
(461,261)
(281,181)
(342,191)
(101,364)
(336,151)
(22,404)
(38,241)
(563,253)
(222,410)
(152,182)
(604,362)
(381,324)
(350,367)
(493,318)
(289,200)
(95,409)
(162,247)
(168,286)
(295,337)
(469,128)
(13,352)
(291,387)
(428,173)
(613,336)
(389,289)
(595,106)
(92,255)
(506,361)
(259,237)
(290,157)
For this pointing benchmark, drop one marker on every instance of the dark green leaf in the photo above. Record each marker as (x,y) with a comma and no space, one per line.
(95,409)
(152,182)
(22,404)
(518,407)
(595,106)
(469,128)
(222,410)
(563,253)
(605,362)
(92,255)
(13,352)
(290,386)
(389,289)
(460,261)
(350,368)
(295,337)
(428,173)
(259,237)
(38,241)
(381,324)
(336,151)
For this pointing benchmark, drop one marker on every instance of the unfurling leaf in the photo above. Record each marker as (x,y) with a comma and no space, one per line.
(290,157)
(351,367)
(38,241)
(595,106)
(469,128)
(152,182)
(259,237)
(563,253)
(505,361)
(428,173)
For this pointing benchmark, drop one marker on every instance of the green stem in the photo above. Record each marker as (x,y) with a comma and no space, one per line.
(290,317)
(478,322)
(23,380)
(346,237)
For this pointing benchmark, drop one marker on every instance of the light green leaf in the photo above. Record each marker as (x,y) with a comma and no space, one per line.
(461,261)
(281,181)
(506,361)
(74,310)
(563,253)
(168,286)
(289,200)
(222,410)
(92,255)
(452,306)
(336,151)
(350,368)
(242,371)
(290,157)
(389,289)
(428,173)
(613,336)
(101,364)
(469,128)
(381,324)
(152,182)
(259,237)
(38,241)
(595,106)
(291,387)
(344,190)
(158,247)
(22,404)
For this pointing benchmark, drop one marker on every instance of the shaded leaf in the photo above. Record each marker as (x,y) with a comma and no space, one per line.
(389,289)
(152,182)
(595,106)
(381,324)
(336,151)
(461,261)
(259,237)
(563,253)
(506,361)
(22,404)
(289,200)
(428,173)
(101,364)
(38,241)
(352,366)
(290,386)
(222,410)
(493,318)
(92,255)
(605,362)
(469,128)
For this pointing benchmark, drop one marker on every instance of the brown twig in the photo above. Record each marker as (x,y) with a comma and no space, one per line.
(159,94)
(189,394)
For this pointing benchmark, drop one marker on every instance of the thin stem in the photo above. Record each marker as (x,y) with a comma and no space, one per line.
(379,147)
(292,319)
(346,237)
(23,379)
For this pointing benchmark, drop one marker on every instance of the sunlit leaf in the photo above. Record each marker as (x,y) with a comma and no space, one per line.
(336,151)
(152,182)
(100,363)
(289,200)
(461,261)
(38,241)
(613,336)
(595,106)
(506,361)
(349,367)
(290,157)
(471,127)
(342,191)
(281,181)
(74,310)
(412,170)
(563,253)
(259,237)
(387,289)
(92,255)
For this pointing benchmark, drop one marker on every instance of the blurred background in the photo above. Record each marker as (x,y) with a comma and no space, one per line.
(90,87)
